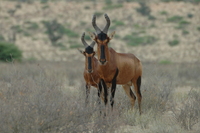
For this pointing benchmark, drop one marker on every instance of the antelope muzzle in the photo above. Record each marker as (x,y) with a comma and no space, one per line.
(90,65)
(102,59)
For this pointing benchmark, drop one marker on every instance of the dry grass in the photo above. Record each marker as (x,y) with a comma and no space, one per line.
(49,97)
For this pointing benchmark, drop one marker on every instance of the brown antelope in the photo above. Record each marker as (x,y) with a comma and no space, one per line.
(128,66)
(90,74)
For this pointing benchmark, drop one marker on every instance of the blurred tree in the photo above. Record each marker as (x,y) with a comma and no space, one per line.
(53,31)
(9,52)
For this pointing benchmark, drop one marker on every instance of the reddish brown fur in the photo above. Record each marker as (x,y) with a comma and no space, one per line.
(91,78)
(129,66)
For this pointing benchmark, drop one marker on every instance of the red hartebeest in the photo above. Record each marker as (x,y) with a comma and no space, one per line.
(90,74)
(128,66)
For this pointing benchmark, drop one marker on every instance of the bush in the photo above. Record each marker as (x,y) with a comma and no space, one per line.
(32,25)
(98,14)
(115,24)
(135,40)
(56,31)
(110,7)
(17,28)
(198,28)
(9,52)
(175,19)
(144,9)
(165,62)
(2,38)
(164,13)
(53,31)
(173,42)
(185,32)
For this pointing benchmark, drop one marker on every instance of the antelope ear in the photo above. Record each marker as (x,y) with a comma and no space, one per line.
(92,35)
(111,35)
(81,51)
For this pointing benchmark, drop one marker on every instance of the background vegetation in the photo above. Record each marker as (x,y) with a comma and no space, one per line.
(45,32)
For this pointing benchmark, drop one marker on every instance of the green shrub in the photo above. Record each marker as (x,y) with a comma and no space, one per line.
(98,14)
(150,17)
(165,62)
(9,52)
(163,13)
(184,22)
(87,7)
(135,39)
(198,28)
(115,24)
(190,15)
(12,12)
(144,9)
(108,2)
(175,19)
(110,7)
(2,38)
(74,44)
(185,32)
(43,1)
(118,23)
(17,28)
(173,42)
(32,25)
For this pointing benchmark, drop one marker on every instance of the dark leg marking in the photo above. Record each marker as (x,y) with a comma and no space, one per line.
(113,88)
(139,94)
(138,85)
(99,92)
(132,94)
(105,91)
(87,94)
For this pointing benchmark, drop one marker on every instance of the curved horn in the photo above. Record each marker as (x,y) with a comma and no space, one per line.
(105,30)
(95,25)
(92,44)
(83,40)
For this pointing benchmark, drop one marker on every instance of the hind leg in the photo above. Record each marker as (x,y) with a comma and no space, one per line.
(137,85)
(130,94)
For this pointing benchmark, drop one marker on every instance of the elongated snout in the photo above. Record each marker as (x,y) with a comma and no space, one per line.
(90,71)
(102,61)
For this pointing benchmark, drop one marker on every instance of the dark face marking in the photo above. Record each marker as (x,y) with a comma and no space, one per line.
(89,64)
(102,57)
(89,54)
(102,36)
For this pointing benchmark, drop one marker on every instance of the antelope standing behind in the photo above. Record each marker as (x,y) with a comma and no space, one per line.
(90,74)
(128,65)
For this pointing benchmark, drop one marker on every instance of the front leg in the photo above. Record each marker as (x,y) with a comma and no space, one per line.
(113,88)
(87,94)
(99,92)
(105,91)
